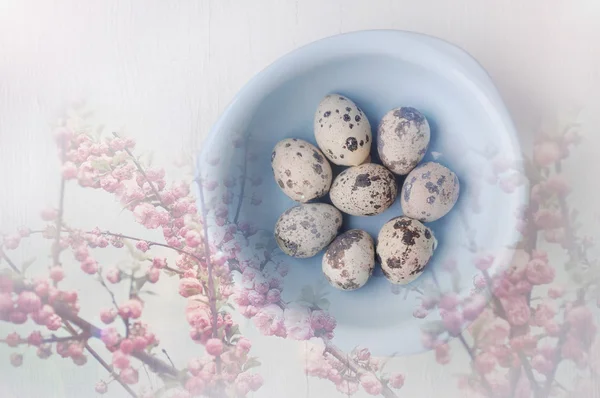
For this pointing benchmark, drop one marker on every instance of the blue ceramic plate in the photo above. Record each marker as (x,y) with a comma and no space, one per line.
(379,70)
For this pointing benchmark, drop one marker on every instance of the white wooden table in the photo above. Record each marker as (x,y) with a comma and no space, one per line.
(162,72)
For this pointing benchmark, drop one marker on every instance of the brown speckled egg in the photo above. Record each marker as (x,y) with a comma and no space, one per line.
(306,229)
(404,247)
(429,192)
(342,131)
(402,139)
(349,260)
(300,170)
(364,190)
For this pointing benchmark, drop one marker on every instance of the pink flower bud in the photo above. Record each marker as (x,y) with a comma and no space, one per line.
(142,246)
(131,309)
(13,339)
(189,287)
(35,338)
(153,275)
(57,273)
(129,376)
(195,385)
(16,360)
(159,263)
(101,387)
(126,346)
(120,360)
(113,275)
(397,380)
(29,302)
(547,153)
(214,347)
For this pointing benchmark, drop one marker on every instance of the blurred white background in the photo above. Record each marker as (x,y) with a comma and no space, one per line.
(162,72)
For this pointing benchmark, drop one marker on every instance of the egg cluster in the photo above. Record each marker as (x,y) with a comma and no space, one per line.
(343,134)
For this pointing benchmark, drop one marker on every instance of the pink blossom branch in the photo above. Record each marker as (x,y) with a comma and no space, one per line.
(471,353)
(59,217)
(151,243)
(340,356)
(211,284)
(101,361)
(143,173)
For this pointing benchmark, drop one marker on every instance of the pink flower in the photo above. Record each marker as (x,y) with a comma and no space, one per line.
(198,315)
(129,376)
(557,184)
(153,275)
(54,322)
(370,383)
(11,242)
(244,345)
(541,364)
(255,298)
(452,321)
(126,347)
(6,302)
(142,246)
(147,215)
(110,184)
(113,275)
(448,302)
(556,292)
(297,320)
(321,320)
(547,219)
(193,238)
(49,214)
(101,387)
(547,153)
(397,380)
(484,262)
(485,362)
(29,302)
(89,266)
(120,360)
(108,315)
(517,310)
(131,309)
(214,347)
(556,235)
(13,339)
(189,287)
(347,387)
(494,332)
(442,354)
(16,360)
(539,272)
(363,354)
(159,263)
(420,313)
(35,338)
(195,385)
(269,319)
(57,273)
(543,314)
(75,350)
(473,307)
(256,381)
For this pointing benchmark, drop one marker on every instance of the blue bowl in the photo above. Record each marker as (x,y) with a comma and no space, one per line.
(379,70)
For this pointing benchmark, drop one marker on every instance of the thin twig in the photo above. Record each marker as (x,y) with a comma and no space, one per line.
(102,362)
(9,262)
(151,243)
(469,350)
(143,173)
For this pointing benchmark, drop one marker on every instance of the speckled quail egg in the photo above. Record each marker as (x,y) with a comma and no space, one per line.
(429,192)
(364,190)
(342,131)
(402,139)
(300,169)
(404,247)
(349,260)
(304,230)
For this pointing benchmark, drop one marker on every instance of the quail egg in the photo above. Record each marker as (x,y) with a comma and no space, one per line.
(402,139)
(300,169)
(404,247)
(304,230)
(364,190)
(349,260)
(342,131)
(429,192)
